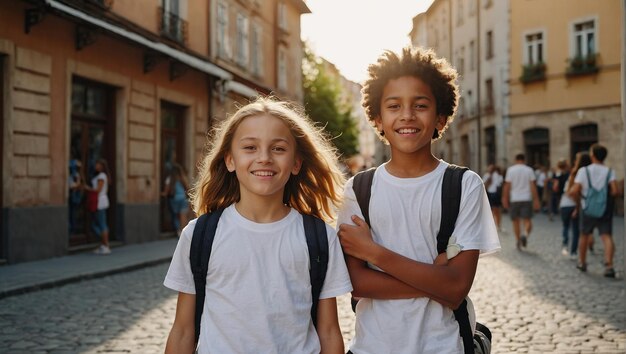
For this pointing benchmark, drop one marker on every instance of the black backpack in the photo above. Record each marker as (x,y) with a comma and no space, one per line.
(202,243)
(450,205)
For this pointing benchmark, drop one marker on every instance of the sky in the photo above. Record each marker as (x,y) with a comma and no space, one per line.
(352,33)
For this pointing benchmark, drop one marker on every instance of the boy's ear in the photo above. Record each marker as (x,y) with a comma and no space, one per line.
(378,121)
(230,163)
(441,122)
(297,166)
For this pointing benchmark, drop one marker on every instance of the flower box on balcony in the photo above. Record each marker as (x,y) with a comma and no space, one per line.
(533,72)
(580,65)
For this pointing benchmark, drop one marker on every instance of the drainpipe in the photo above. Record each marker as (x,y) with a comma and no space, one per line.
(624,97)
(478,83)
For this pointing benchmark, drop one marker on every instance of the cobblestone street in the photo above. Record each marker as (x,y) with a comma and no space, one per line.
(534,301)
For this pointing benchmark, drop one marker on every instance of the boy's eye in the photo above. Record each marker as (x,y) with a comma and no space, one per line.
(421,106)
(393,106)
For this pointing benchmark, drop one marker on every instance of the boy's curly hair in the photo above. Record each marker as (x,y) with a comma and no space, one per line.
(417,62)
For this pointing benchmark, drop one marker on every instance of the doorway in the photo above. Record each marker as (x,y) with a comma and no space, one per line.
(537,143)
(172,151)
(92,138)
(582,137)
(2,239)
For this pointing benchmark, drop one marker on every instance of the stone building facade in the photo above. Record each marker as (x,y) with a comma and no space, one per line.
(138,83)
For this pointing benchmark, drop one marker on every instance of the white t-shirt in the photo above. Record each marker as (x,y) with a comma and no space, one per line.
(566,200)
(405,214)
(103,198)
(496,181)
(520,176)
(258,289)
(598,174)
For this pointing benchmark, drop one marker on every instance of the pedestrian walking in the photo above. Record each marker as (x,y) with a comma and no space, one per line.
(596,179)
(408,291)
(99,189)
(520,196)
(175,190)
(493,183)
(267,167)
(570,207)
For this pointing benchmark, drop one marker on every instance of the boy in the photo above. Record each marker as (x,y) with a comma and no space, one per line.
(407,301)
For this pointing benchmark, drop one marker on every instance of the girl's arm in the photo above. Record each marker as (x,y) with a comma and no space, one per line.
(328,329)
(98,188)
(182,335)
(447,284)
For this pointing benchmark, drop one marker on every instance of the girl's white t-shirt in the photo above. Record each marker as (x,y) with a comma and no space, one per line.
(405,214)
(103,198)
(258,288)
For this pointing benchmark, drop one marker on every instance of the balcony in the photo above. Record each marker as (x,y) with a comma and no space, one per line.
(533,72)
(173,27)
(583,65)
(104,4)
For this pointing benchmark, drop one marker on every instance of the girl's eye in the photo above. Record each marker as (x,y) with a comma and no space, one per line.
(279,148)
(249,147)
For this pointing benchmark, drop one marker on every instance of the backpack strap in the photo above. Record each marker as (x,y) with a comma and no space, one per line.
(317,242)
(199,254)
(362,186)
(450,204)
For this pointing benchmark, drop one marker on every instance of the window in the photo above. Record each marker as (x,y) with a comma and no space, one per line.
(257,50)
(282,16)
(488,3)
(459,12)
(490,144)
(171,22)
(242,40)
(461,109)
(223,43)
(461,67)
(582,137)
(282,69)
(534,49)
(537,146)
(584,39)
(471,56)
(489,45)
(489,93)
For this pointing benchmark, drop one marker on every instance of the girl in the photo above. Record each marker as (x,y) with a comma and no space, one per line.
(175,190)
(100,185)
(267,166)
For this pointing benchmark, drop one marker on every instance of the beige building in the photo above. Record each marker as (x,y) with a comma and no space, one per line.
(545,85)
(138,83)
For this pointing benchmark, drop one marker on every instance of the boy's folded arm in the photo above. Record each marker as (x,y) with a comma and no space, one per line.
(448,284)
(374,284)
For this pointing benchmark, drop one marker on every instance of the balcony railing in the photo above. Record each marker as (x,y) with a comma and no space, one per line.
(172,26)
(533,72)
(104,4)
(583,65)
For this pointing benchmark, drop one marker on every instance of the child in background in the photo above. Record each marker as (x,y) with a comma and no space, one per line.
(175,191)
(407,301)
(266,167)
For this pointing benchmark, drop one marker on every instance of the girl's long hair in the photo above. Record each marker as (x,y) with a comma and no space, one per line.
(315,190)
(105,169)
(582,159)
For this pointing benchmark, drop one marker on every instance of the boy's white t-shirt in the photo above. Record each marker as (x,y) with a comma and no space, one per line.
(258,288)
(598,174)
(405,214)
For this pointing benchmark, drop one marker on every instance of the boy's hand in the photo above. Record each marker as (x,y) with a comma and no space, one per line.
(442,259)
(356,240)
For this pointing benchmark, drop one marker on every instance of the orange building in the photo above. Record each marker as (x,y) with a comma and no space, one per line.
(138,83)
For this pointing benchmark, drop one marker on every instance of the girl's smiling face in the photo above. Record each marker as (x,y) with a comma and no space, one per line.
(263,155)
(408,115)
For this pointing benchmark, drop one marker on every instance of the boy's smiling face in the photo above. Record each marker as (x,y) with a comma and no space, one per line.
(408,116)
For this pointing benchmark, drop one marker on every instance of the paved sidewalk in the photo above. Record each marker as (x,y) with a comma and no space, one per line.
(30,276)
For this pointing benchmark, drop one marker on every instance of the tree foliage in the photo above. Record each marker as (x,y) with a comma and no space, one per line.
(322,103)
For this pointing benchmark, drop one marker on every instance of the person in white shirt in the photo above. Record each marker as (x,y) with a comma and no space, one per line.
(100,185)
(520,196)
(268,165)
(599,175)
(407,295)
(493,184)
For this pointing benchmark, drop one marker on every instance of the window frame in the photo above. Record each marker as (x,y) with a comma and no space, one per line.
(525,46)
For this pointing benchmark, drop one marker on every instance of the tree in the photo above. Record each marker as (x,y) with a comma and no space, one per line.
(322,103)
